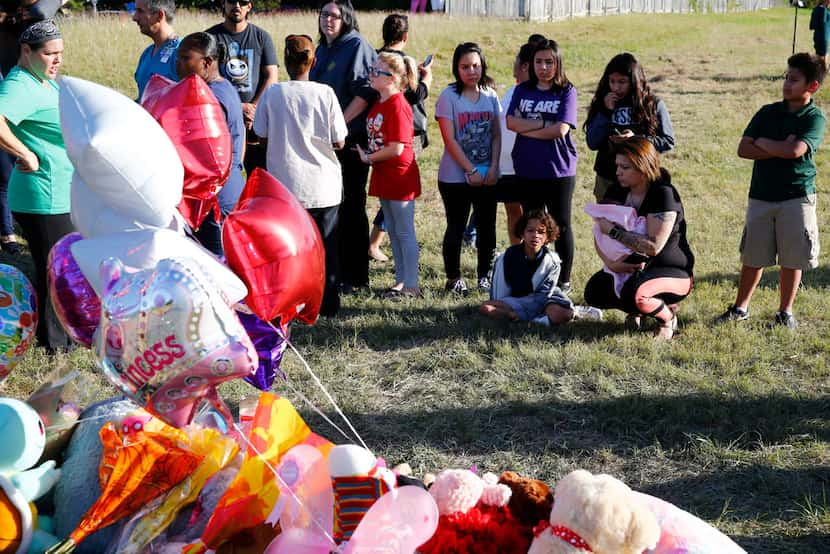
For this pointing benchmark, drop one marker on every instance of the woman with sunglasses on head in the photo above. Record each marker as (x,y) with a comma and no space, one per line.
(646,273)
(303,127)
(344,57)
(201,54)
(40,181)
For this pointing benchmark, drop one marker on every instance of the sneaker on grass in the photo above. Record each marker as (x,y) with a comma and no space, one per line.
(733,313)
(457,286)
(785,319)
(483,284)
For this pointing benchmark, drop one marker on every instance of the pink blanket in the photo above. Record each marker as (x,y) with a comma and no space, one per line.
(627,218)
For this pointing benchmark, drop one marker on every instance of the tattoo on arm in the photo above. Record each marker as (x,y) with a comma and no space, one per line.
(662,216)
(636,242)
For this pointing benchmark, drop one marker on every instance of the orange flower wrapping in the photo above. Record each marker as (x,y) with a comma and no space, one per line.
(133,472)
(249,499)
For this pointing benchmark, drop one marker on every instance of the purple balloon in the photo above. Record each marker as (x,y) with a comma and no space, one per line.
(77,306)
(269,347)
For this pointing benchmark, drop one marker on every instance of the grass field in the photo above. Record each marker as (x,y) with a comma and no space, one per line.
(731,423)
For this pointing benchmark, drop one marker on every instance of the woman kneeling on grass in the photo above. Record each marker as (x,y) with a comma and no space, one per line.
(658,273)
(395,177)
(525,276)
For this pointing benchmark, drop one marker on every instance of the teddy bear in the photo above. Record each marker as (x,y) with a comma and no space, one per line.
(595,513)
(531,499)
(474,516)
(24,438)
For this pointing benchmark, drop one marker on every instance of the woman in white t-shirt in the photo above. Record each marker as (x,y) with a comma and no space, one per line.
(467,113)
(303,124)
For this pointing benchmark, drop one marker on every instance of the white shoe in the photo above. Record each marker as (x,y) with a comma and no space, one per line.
(587,312)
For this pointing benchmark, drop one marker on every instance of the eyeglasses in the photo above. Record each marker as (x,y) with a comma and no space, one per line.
(375,72)
(242,3)
(327,15)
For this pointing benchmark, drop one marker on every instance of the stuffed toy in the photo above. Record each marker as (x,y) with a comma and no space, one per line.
(531,500)
(474,517)
(24,438)
(358,479)
(595,513)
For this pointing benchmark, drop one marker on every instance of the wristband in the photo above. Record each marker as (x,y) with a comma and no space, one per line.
(615,232)
(472,172)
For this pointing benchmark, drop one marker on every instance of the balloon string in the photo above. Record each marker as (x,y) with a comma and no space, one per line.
(319,384)
(317,410)
(69,424)
(285,487)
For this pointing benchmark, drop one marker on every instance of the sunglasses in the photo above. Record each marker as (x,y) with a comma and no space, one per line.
(242,3)
(375,72)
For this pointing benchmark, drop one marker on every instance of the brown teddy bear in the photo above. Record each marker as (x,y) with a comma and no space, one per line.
(596,513)
(531,500)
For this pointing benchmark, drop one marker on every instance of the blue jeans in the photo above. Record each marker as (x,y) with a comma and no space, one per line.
(400,224)
(6,222)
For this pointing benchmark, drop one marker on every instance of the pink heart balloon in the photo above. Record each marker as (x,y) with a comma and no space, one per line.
(167,338)
(398,523)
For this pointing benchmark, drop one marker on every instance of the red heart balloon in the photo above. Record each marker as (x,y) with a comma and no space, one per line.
(274,246)
(193,119)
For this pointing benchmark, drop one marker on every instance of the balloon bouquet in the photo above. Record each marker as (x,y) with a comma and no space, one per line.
(159,310)
(168,322)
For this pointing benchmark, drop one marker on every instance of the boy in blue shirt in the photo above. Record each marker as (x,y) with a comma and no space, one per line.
(782,139)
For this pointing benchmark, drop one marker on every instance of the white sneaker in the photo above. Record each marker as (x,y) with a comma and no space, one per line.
(587,312)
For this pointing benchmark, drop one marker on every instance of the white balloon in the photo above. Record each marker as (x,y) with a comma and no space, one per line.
(346,460)
(120,152)
(144,249)
(92,217)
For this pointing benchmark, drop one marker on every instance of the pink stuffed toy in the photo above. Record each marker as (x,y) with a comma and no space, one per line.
(474,517)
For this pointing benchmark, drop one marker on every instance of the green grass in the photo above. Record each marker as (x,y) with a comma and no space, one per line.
(731,423)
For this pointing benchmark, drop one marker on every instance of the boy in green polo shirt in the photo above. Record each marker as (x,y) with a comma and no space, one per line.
(782,139)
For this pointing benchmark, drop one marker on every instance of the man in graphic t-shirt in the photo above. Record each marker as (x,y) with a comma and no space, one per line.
(251,67)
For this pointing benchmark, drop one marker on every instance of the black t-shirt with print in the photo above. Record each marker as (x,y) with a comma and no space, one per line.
(247,53)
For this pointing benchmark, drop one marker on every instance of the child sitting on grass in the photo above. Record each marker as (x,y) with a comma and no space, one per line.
(525,276)
(781,228)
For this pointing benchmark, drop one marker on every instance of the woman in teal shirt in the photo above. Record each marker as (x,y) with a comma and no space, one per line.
(30,131)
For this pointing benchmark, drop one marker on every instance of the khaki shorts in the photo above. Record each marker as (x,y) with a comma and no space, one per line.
(781,233)
(601,186)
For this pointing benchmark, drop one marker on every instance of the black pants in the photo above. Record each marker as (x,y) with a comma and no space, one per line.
(458,198)
(42,232)
(644,293)
(254,154)
(556,196)
(353,227)
(326,220)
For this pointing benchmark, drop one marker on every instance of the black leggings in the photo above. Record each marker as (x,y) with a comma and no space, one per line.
(458,198)
(556,196)
(42,231)
(644,293)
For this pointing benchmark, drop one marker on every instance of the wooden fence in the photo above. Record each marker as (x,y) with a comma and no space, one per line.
(546,10)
